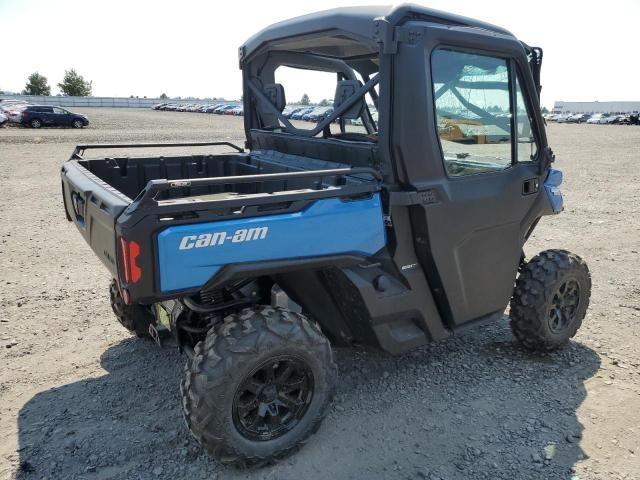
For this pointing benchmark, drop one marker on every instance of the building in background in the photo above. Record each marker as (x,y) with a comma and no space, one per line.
(596,107)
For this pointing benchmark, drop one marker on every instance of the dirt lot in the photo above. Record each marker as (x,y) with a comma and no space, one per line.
(80,398)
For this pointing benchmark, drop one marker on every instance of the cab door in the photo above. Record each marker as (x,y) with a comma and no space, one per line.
(476,172)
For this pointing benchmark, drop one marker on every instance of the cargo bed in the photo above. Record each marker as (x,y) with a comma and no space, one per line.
(136,198)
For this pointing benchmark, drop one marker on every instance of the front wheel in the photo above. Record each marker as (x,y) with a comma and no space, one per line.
(35,123)
(258,386)
(77,124)
(550,299)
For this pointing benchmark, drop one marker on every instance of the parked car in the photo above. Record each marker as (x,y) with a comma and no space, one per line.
(290,110)
(318,114)
(617,120)
(36,116)
(3,119)
(230,110)
(578,118)
(563,118)
(237,111)
(14,112)
(223,109)
(212,108)
(158,106)
(9,104)
(598,118)
(300,113)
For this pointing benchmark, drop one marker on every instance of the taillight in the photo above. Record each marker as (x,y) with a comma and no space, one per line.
(129,252)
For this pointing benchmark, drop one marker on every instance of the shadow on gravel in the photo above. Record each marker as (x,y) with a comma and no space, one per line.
(476,407)
(124,424)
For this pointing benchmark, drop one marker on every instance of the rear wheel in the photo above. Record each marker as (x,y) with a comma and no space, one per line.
(77,124)
(35,123)
(258,386)
(550,299)
(134,318)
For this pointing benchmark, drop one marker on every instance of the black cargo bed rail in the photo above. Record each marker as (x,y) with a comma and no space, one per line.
(147,198)
(78,152)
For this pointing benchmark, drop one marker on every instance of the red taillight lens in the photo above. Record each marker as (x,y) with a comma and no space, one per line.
(129,252)
(134,251)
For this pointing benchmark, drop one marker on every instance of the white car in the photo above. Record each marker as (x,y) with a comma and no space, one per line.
(3,119)
(598,118)
(9,104)
(14,113)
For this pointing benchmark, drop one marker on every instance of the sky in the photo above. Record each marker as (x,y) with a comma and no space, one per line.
(189,48)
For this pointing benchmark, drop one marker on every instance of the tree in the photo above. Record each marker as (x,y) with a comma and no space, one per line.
(545,110)
(305,100)
(324,102)
(37,85)
(163,96)
(75,85)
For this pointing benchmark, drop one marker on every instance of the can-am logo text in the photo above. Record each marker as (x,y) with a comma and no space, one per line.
(219,238)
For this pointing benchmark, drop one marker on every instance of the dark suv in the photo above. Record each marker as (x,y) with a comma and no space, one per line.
(37,116)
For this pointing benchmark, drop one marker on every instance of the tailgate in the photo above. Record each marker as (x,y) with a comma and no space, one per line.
(93,206)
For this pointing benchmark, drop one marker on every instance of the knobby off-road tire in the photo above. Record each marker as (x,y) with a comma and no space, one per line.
(134,318)
(228,399)
(550,299)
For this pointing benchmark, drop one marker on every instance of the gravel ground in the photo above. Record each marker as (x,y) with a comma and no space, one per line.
(80,398)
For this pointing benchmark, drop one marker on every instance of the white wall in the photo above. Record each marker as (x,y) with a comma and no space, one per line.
(99,101)
(596,107)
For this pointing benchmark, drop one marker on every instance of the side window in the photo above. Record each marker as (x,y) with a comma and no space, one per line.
(59,111)
(527,147)
(473,111)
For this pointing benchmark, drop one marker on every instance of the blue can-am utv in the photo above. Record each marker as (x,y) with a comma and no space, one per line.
(392,234)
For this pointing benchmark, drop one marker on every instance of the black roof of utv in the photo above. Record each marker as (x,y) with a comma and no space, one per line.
(359,25)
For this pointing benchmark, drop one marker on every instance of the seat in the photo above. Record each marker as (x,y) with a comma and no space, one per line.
(345,89)
(275,93)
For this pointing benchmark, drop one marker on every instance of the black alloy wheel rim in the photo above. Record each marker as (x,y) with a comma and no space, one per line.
(273,398)
(564,305)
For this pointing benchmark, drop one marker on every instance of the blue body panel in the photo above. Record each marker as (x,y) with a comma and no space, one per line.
(552,188)
(189,255)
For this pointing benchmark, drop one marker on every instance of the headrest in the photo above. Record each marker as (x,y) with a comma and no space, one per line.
(275,93)
(344,91)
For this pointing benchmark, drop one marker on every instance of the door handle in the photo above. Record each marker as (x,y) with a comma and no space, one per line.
(530,186)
